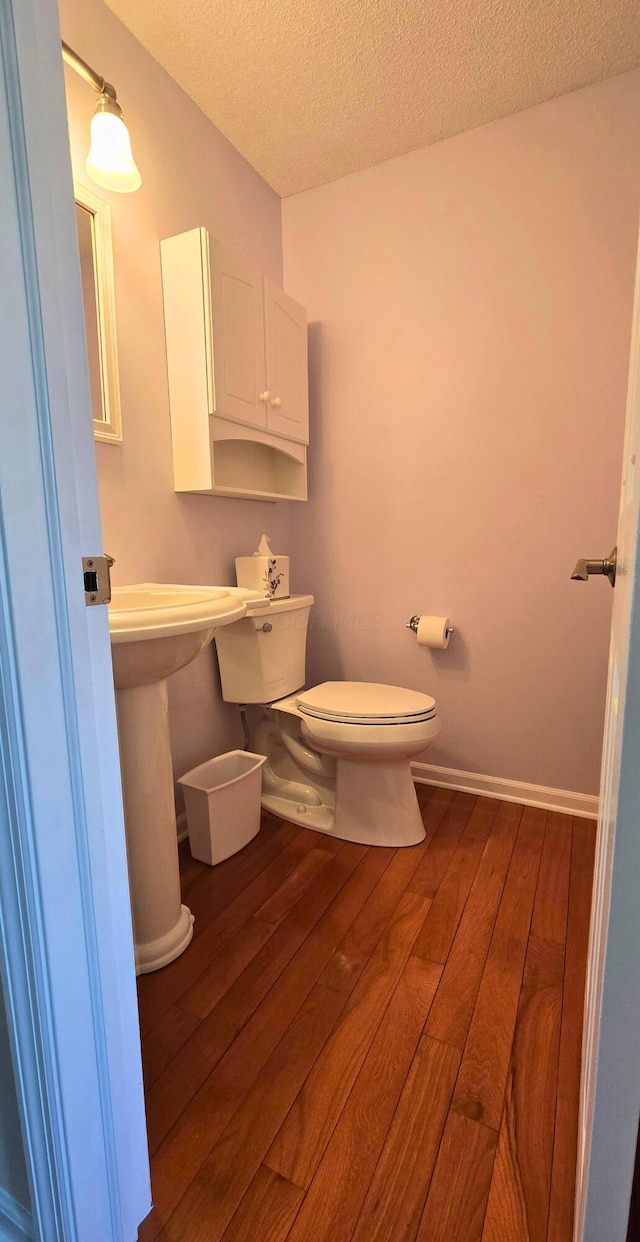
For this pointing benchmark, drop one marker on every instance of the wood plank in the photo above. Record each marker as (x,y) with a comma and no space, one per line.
(192,978)
(519,1196)
(481,1082)
(300,1143)
(552,896)
(395,1159)
(212,983)
(324,841)
(267,1211)
(395,1199)
(563,1175)
(347,963)
(213,889)
(279,853)
(335,1197)
(428,876)
(183,1077)
(434,805)
(168,1036)
(161,1046)
(440,925)
(280,902)
(226,967)
(481,820)
(450,1015)
(181,1153)
(207,1208)
(456,1203)
(302,915)
(232,897)
(433,800)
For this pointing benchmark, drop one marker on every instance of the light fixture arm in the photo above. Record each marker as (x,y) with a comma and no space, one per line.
(94,79)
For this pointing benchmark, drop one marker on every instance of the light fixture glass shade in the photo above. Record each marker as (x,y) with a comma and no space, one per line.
(110,162)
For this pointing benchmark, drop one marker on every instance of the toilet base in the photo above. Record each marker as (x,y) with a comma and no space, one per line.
(320,818)
(376,804)
(370,802)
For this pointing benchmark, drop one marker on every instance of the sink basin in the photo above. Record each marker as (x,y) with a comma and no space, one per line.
(156,610)
(155,630)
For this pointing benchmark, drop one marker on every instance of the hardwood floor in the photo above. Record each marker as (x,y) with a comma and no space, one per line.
(378,1045)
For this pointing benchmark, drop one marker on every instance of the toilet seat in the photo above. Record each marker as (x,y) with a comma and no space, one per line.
(365,703)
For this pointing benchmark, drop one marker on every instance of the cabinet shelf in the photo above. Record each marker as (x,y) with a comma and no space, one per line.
(240,493)
(256,469)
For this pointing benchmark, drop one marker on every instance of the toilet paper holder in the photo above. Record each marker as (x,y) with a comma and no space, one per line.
(414,622)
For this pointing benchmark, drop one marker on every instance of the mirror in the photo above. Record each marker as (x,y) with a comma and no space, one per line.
(93,220)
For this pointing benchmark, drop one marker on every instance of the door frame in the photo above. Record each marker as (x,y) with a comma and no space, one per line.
(66,949)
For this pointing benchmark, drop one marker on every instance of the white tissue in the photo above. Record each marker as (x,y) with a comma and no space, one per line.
(264,547)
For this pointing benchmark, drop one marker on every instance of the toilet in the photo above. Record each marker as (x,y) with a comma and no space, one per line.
(338,755)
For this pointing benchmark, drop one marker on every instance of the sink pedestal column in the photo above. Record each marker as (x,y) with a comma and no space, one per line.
(162,926)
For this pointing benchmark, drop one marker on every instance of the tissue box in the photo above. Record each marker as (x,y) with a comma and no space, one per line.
(267,574)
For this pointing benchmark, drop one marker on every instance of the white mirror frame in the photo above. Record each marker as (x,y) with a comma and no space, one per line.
(109,428)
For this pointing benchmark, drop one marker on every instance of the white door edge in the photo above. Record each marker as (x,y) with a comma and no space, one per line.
(610,1084)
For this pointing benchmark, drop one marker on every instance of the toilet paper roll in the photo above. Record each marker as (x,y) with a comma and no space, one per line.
(432,632)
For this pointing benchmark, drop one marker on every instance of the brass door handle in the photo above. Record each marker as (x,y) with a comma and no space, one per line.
(585,569)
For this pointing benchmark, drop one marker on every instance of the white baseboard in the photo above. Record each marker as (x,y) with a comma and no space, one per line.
(181,827)
(585,805)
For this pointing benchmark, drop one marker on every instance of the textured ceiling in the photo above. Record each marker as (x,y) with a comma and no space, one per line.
(312,89)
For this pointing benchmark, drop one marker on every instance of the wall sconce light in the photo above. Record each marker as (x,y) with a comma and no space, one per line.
(110,162)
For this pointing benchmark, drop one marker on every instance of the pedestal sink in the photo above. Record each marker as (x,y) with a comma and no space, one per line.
(155,630)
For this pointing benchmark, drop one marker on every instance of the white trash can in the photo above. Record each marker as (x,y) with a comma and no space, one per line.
(222,801)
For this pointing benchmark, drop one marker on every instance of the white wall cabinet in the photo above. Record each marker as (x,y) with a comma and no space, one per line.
(287,394)
(238,382)
(233,305)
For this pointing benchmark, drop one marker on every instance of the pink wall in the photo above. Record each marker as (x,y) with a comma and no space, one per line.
(472,304)
(191,176)
(472,307)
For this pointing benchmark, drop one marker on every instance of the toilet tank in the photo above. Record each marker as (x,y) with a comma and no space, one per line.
(262,658)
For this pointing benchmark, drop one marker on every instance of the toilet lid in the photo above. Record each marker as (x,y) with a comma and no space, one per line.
(365,702)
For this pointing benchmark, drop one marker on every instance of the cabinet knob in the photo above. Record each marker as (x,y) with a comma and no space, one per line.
(276,403)
(264,396)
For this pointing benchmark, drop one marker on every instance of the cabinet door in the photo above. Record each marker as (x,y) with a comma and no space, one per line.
(237,336)
(287,372)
